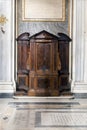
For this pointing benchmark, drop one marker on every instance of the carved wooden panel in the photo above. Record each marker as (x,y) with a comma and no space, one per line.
(43,53)
(43,72)
(55,58)
(43,63)
(23,80)
(43,83)
(32,56)
(22,56)
(64,55)
(22,61)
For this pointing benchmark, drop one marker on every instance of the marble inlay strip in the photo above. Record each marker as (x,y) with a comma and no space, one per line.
(46,103)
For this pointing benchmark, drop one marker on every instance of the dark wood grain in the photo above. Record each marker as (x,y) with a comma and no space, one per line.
(43,55)
(43,63)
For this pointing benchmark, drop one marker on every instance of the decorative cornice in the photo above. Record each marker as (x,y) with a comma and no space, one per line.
(3,19)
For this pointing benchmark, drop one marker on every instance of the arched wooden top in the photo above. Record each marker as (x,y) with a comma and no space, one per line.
(23,37)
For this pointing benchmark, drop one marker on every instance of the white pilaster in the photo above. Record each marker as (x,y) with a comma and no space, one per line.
(85,41)
(78,46)
(7,83)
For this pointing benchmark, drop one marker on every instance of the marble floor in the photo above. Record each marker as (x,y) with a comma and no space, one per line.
(43,114)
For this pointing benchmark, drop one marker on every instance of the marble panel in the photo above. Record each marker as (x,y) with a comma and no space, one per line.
(44,103)
(35,27)
(61,119)
(5,41)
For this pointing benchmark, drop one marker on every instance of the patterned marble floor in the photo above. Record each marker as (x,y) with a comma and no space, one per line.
(43,114)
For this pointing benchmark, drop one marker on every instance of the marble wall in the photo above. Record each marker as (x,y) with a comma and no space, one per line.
(79,47)
(85,40)
(35,27)
(6,45)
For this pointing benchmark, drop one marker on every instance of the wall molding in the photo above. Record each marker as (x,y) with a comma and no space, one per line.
(7,87)
(79,87)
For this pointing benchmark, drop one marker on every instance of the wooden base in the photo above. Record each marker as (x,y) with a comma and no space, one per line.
(66,93)
(31,92)
(43,92)
(55,93)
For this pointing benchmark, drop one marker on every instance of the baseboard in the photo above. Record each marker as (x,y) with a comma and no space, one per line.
(79,87)
(80,95)
(6,95)
(49,97)
(7,87)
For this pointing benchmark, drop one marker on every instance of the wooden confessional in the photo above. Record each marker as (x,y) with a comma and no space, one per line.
(42,63)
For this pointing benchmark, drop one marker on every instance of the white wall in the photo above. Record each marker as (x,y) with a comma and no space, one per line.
(7,47)
(85,41)
(79,47)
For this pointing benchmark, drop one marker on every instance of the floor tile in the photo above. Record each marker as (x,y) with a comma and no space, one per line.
(43,114)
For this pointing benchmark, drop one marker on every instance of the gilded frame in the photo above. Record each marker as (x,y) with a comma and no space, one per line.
(26,9)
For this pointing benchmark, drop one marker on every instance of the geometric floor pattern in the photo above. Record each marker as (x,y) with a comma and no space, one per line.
(61,119)
(44,116)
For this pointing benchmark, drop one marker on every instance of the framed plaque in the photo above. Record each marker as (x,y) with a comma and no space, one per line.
(43,10)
